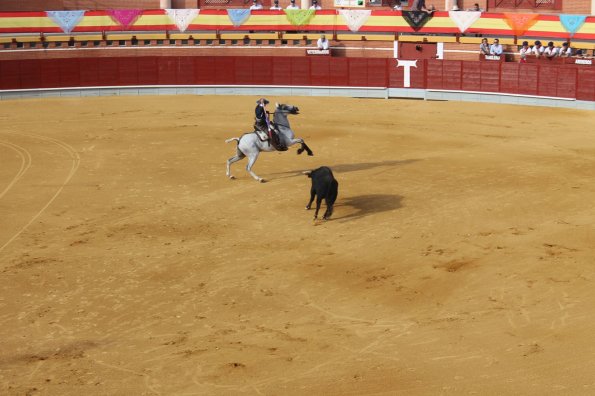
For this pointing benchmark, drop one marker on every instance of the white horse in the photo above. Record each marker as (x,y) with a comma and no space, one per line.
(250,145)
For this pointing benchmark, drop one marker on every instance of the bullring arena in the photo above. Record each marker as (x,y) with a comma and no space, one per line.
(458,259)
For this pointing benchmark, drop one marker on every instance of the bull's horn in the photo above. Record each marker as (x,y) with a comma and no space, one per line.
(306,172)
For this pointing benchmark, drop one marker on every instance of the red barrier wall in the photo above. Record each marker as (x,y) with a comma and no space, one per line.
(565,81)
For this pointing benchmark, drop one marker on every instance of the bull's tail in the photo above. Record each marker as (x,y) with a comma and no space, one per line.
(232,139)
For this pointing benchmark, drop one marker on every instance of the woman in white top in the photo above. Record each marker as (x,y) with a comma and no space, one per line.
(315,5)
(292,6)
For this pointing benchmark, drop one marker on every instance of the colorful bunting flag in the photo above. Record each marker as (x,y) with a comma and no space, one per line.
(125,18)
(299,17)
(416,19)
(67,20)
(182,17)
(520,23)
(238,16)
(572,23)
(355,19)
(464,19)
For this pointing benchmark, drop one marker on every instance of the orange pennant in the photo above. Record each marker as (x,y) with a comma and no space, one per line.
(520,23)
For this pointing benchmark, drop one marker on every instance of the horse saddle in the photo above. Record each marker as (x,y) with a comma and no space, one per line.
(261,135)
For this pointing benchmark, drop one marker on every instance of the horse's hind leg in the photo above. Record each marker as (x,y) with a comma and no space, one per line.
(251,160)
(233,159)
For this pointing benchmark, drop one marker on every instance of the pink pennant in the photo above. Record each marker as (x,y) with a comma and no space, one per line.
(125,18)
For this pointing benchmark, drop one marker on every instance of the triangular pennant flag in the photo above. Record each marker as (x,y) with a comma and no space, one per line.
(416,19)
(572,23)
(125,18)
(464,19)
(299,17)
(238,16)
(355,19)
(182,17)
(520,23)
(67,20)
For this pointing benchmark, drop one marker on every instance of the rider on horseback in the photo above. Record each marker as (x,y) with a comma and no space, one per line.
(263,124)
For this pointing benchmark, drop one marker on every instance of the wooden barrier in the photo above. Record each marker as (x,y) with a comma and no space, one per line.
(540,79)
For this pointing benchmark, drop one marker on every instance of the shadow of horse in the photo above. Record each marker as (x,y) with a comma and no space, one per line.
(369,204)
(345,168)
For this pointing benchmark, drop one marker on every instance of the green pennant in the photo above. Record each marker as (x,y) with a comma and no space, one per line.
(299,17)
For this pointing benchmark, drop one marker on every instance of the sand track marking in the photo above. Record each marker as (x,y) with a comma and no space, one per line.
(74,167)
(25,163)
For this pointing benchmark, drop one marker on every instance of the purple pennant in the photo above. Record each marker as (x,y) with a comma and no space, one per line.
(125,18)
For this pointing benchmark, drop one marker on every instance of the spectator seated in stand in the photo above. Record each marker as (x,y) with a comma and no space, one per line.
(484,47)
(292,6)
(538,49)
(256,5)
(275,6)
(475,8)
(420,5)
(550,51)
(524,51)
(322,43)
(565,51)
(315,5)
(496,48)
(398,6)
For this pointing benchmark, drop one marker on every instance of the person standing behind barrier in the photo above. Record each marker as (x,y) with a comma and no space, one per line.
(292,6)
(524,51)
(484,47)
(565,51)
(276,6)
(322,43)
(538,49)
(550,51)
(496,48)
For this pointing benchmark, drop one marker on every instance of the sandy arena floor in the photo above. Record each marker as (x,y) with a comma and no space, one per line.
(460,258)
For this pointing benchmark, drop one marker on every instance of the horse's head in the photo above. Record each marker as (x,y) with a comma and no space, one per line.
(287,108)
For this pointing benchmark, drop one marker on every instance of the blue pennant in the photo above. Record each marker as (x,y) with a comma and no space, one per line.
(572,23)
(238,16)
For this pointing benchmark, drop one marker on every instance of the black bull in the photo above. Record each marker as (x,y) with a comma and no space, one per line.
(324,186)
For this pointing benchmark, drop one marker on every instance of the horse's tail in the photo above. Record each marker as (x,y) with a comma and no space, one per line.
(232,139)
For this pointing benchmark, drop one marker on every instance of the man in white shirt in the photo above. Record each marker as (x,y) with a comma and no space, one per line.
(550,51)
(256,5)
(565,51)
(322,42)
(315,5)
(496,48)
(292,6)
(538,49)
(276,6)
(524,51)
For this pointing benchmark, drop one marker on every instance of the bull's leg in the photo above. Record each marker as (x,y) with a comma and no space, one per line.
(312,195)
(251,160)
(329,209)
(230,161)
(318,202)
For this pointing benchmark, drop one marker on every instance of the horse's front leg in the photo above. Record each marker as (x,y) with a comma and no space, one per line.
(251,160)
(303,147)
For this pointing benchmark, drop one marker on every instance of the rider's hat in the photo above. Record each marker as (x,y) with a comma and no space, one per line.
(263,100)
